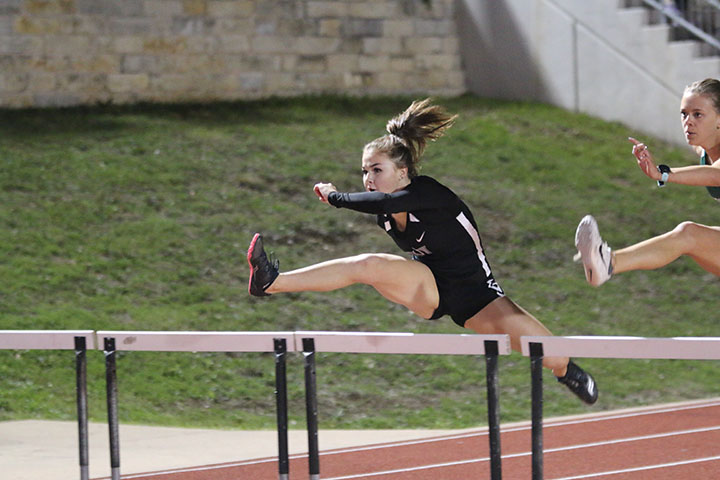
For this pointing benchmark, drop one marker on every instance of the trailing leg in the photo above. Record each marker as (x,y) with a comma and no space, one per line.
(503,316)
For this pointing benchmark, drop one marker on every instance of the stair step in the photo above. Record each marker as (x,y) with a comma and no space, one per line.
(666,51)
(636,16)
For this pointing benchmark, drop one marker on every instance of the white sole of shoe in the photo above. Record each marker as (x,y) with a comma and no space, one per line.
(586,236)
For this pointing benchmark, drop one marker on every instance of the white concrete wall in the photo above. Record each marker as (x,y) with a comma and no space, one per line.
(587,56)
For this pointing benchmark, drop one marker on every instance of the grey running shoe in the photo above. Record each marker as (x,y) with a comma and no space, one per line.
(594,253)
(263,271)
(580,383)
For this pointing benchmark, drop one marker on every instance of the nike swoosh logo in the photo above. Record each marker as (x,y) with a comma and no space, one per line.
(419,239)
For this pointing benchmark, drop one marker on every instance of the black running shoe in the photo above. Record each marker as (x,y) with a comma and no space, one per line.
(263,271)
(580,383)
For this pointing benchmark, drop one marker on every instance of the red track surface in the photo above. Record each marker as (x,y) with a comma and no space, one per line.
(668,442)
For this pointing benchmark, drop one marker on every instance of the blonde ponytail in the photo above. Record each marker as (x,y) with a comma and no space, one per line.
(409,132)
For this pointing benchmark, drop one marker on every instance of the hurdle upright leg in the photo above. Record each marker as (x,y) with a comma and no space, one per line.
(111,388)
(311,406)
(82,405)
(536,367)
(491,361)
(281,402)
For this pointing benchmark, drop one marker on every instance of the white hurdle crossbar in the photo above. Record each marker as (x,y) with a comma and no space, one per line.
(537,347)
(44,339)
(402,343)
(198,341)
(675,348)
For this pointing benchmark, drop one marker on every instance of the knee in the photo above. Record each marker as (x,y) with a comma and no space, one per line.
(687,233)
(366,266)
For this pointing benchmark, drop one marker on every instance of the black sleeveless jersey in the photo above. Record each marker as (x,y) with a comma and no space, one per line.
(441,231)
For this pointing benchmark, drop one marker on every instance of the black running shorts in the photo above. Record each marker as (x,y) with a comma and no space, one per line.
(461,298)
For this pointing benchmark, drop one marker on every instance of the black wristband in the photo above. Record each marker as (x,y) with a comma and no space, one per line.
(665,171)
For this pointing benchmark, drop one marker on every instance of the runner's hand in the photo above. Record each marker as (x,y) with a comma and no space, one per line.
(644,159)
(322,190)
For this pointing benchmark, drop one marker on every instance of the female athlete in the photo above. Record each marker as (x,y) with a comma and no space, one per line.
(448,274)
(700,116)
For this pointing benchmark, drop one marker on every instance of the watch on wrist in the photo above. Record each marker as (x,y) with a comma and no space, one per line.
(664,174)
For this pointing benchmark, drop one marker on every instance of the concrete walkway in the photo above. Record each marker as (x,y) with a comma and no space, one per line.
(48,450)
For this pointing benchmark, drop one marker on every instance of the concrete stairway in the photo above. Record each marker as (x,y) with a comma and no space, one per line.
(600,57)
(644,39)
(632,53)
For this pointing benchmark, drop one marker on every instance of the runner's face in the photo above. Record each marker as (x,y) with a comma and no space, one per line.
(700,121)
(380,174)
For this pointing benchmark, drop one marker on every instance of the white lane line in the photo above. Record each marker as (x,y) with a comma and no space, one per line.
(408,469)
(634,439)
(644,468)
(527,454)
(559,423)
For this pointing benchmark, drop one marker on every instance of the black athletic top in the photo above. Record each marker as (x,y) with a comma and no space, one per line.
(440,232)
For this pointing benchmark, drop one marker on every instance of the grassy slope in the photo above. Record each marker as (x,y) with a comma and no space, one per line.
(138,218)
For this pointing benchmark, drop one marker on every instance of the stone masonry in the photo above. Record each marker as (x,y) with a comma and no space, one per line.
(82,52)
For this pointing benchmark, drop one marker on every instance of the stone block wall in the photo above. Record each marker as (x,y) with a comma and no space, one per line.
(75,52)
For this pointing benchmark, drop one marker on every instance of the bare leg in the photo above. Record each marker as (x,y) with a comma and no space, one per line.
(407,282)
(505,316)
(699,242)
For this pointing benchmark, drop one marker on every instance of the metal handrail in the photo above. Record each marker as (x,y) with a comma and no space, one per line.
(680,21)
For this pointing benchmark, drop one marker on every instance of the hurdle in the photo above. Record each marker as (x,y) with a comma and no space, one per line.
(310,342)
(77,340)
(277,342)
(536,347)
(281,343)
